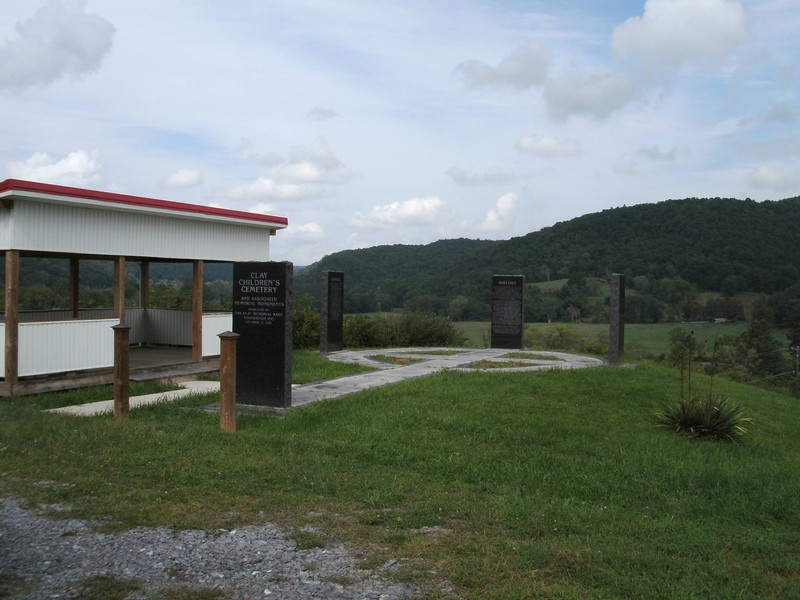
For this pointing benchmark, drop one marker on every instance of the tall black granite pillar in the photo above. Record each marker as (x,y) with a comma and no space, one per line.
(508,323)
(331,322)
(616,338)
(262,316)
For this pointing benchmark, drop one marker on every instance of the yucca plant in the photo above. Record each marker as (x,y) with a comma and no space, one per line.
(705,417)
(709,416)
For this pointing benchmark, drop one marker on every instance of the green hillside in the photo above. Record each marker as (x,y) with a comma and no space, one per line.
(668,251)
(382,277)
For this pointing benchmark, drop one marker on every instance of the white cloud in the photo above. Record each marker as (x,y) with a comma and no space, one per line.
(776,178)
(312,164)
(60,39)
(184,178)
(780,113)
(244,149)
(307,172)
(305,233)
(594,93)
(467,179)
(548,146)
(500,216)
(678,33)
(415,211)
(267,188)
(77,169)
(319,113)
(263,208)
(522,69)
(656,153)
(626,167)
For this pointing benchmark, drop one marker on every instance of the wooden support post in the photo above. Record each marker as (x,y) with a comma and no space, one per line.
(75,286)
(119,289)
(227,380)
(144,284)
(197,311)
(12,317)
(121,371)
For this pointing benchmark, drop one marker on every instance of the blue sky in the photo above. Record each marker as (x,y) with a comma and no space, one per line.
(379,122)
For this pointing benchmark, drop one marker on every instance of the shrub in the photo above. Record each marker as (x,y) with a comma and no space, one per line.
(422,329)
(305,324)
(557,336)
(408,329)
(705,417)
(362,331)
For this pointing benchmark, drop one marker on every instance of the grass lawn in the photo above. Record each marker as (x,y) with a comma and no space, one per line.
(476,333)
(552,484)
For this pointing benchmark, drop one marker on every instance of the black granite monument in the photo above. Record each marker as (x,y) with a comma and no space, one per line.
(616,339)
(262,316)
(508,322)
(331,323)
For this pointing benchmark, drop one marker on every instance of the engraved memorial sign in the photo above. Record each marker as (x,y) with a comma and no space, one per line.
(508,323)
(262,316)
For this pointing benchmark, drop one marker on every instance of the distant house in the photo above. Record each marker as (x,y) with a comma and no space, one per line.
(43,220)
(720,320)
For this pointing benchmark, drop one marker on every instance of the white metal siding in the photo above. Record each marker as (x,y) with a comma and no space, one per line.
(45,227)
(58,346)
(213,325)
(168,327)
(61,346)
(135,317)
(6,227)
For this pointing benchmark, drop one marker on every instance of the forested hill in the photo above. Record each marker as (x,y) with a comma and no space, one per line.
(715,244)
(376,278)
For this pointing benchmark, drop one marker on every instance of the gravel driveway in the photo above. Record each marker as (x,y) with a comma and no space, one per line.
(43,557)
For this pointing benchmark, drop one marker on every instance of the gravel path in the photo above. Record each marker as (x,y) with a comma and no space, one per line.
(43,558)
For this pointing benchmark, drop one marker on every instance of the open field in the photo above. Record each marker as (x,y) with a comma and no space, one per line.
(506,485)
(641,340)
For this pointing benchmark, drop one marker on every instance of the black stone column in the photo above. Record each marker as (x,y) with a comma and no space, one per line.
(331,322)
(616,338)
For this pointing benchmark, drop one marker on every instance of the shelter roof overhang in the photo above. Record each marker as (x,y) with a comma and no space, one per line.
(60,194)
(42,218)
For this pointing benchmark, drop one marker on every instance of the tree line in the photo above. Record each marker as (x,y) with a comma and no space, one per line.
(671,252)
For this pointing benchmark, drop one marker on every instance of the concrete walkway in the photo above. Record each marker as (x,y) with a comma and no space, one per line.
(414,362)
(427,362)
(96,408)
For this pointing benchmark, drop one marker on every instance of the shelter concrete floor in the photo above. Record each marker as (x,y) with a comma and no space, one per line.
(145,357)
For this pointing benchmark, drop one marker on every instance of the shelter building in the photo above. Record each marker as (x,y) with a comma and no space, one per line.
(74,224)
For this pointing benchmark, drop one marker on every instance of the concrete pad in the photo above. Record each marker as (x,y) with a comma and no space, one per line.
(431,360)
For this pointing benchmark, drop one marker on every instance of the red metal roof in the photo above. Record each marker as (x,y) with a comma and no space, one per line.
(72,192)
